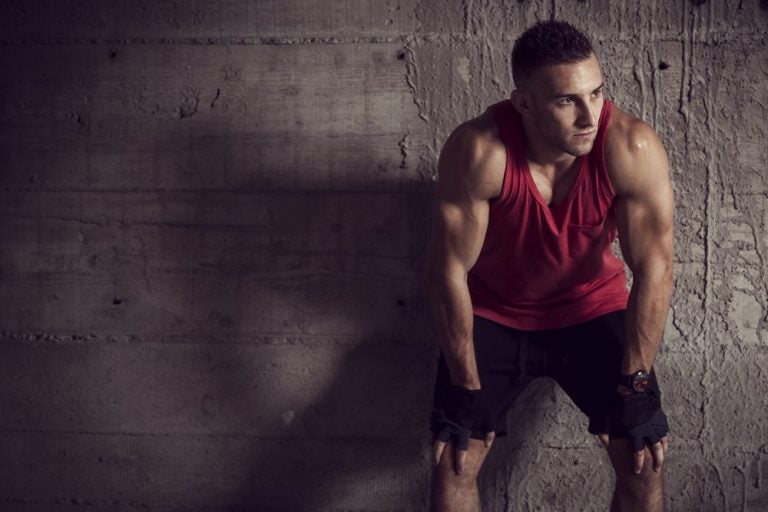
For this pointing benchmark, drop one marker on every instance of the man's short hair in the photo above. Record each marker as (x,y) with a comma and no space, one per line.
(547,43)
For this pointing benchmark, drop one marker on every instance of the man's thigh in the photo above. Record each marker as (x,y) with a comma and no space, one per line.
(589,364)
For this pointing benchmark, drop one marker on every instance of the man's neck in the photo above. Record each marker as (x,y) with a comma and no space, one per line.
(543,157)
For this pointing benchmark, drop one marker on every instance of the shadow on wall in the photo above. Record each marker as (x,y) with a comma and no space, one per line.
(321,290)
(336,398)
(359,444)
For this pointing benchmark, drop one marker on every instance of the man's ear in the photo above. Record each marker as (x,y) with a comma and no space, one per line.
(521,101)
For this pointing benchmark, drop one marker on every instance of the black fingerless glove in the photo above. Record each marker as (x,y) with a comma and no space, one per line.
(638,416)
(461,412)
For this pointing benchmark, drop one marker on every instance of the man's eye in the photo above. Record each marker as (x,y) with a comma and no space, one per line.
(597,92)
(565,101)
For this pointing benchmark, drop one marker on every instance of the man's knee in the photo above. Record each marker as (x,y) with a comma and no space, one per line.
(445,475)
(648,483)
(445,480)
(452,491)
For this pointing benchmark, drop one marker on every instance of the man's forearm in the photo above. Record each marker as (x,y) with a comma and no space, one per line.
(646,317)
(451,308)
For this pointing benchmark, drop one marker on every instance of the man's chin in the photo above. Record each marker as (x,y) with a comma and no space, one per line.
(580,149)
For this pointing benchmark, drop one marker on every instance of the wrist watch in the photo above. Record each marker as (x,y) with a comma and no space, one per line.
(638,382)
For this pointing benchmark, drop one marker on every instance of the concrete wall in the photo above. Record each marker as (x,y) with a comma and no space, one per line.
(214,217)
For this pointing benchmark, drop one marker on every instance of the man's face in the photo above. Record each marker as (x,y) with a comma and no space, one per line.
(565,102)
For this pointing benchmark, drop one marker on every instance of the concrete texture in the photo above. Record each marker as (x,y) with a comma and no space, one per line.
(213,222)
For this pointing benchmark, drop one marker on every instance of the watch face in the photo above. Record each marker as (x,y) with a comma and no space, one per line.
(640,382)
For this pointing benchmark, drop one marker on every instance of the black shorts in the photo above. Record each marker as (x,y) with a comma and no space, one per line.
(584,359)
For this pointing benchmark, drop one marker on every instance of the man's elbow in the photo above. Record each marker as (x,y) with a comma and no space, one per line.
(657,272)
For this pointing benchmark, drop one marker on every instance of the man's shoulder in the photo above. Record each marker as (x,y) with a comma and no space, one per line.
(475,154)
(627,134)
(631,149)
(477,136)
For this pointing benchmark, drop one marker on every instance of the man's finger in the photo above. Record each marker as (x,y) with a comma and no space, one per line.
(489,437)
(658,456)
(664,444)
(437,451)
(639,458)
(605,439)
(461,458)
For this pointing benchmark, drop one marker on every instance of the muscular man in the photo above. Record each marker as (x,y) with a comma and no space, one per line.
(522,279)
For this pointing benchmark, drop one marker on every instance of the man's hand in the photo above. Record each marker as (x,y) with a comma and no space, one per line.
(658,452)
(462,411)
(639,418)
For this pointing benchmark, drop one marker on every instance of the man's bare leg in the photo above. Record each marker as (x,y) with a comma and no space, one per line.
(642,492)
(458,493)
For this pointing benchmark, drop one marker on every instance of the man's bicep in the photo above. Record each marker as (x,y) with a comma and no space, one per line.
(460,213)
(645,215)
(458,234)
(645,231)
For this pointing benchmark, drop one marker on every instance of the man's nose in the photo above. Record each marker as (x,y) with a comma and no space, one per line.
(586,118)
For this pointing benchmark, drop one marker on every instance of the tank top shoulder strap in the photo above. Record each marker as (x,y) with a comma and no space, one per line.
(605,186)
(508,122)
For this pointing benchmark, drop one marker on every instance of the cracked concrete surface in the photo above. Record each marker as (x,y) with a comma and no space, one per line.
(213,224)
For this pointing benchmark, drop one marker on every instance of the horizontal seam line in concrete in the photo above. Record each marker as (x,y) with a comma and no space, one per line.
(713,38)
(86,502)
(331,340)
(214,272)
(219,435)
(240,227)
(247,41)
(139,190)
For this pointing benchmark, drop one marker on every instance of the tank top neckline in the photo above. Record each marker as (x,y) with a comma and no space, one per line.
(513,128)
(534,190)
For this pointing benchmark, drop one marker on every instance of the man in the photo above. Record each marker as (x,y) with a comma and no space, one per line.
(522,280)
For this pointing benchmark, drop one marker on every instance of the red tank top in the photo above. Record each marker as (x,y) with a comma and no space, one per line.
(545,267)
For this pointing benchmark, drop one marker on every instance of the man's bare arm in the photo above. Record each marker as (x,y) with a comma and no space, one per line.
(471,170)
(637,163)
(468,177)
(644,215)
